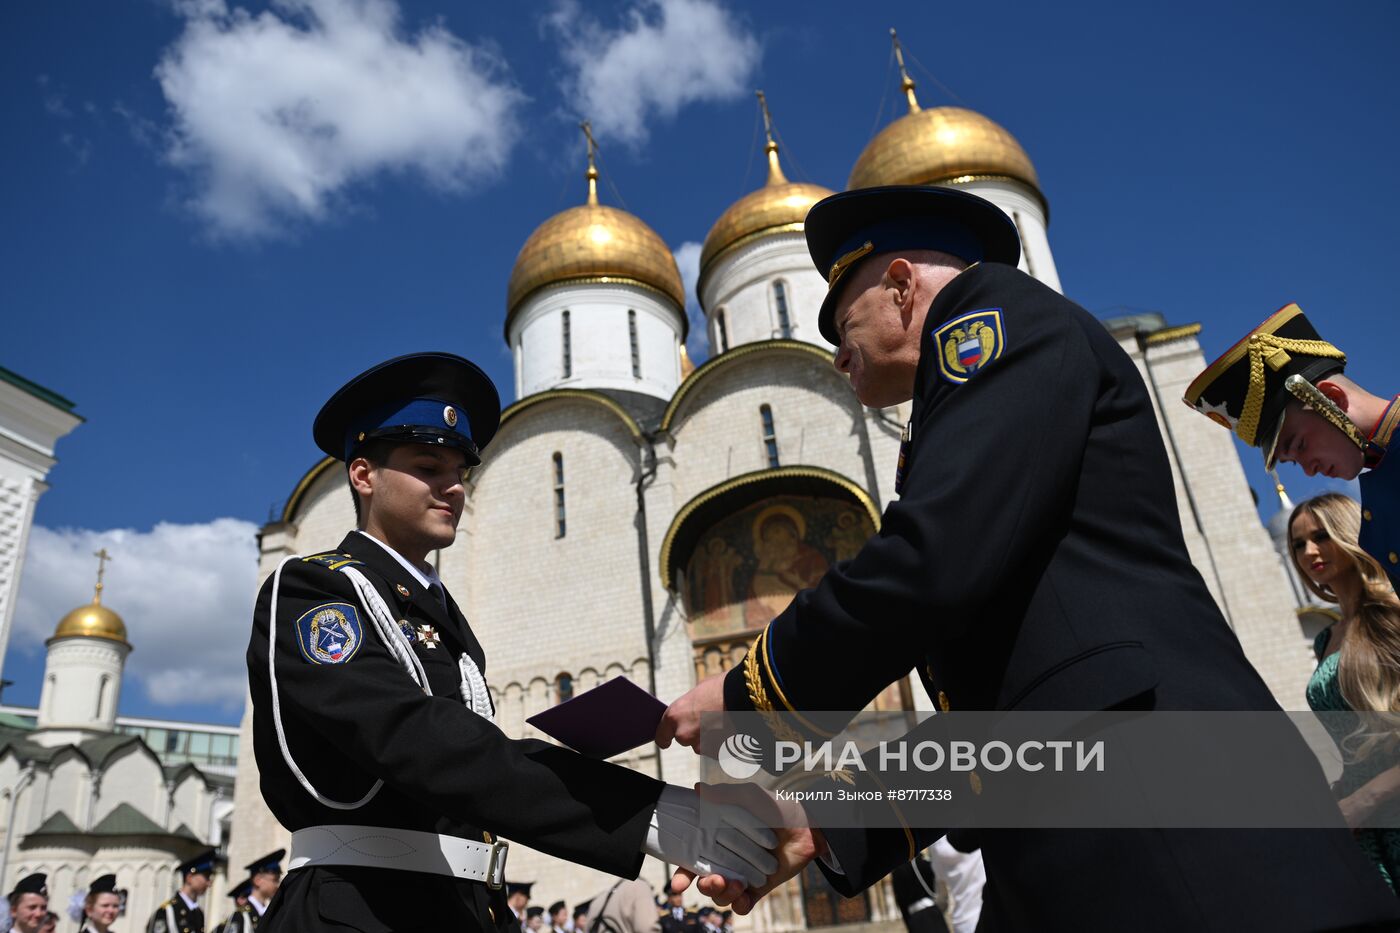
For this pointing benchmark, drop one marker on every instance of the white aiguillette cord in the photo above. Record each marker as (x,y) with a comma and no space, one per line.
(475,695)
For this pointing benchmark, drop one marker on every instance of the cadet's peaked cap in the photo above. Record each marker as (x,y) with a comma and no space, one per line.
(242,889)
(103,884)
(421,398)
(272,862)
(556,907)
(201,864)
(32,884)
(534,912)
(1244,390)
(519,887)
(845,228)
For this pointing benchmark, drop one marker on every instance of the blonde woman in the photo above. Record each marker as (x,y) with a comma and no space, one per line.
(102,905)
(1358,666)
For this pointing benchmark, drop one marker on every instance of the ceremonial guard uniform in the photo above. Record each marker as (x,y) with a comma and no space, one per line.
(1034,561)
(234,922)
(179,915)
(374,730)
(1249,387)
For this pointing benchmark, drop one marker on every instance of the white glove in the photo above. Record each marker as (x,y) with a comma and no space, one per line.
(710,838)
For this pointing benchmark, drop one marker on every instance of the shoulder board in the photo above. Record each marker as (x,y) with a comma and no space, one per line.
(332,560)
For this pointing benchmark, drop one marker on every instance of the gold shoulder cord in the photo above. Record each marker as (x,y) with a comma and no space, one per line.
(1275,350)
(1312,397)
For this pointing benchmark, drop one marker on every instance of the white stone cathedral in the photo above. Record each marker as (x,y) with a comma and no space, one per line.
(639,516)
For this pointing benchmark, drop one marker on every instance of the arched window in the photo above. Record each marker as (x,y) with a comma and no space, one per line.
(770,438)
(721,330)
(780,303)
(102,685)
(563,688)
(636,350)
(558,495)
(568,349)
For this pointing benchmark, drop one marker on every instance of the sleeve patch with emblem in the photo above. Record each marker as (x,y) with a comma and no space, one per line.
(330,633)
(966,345)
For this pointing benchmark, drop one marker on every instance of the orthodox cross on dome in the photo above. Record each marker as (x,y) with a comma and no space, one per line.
(592,161)
(906,83)
(775,171)
(102,558)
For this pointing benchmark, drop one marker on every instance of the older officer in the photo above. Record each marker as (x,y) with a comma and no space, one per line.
(373,727)
(1281,389)
(182,913)
(1034,561)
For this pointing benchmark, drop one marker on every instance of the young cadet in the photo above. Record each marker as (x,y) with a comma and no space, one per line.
(29,903)
(239,894)
(1033,561)
(264,877)
(1281,389)
(182,913)
(373,726)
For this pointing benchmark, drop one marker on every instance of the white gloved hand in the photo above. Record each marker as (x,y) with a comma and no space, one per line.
(710,838)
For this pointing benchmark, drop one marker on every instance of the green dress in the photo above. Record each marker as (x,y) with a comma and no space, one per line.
(1324,694)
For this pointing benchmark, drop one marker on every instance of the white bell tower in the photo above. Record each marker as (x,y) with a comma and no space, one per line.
(83,673)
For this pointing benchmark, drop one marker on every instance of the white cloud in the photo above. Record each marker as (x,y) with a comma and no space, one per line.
(668,53)
(185,593)
(276,115)
(697,342)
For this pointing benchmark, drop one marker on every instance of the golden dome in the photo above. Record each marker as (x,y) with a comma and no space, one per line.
(929,147)
(938,146)
(92,621)
(778,206)
(593,243)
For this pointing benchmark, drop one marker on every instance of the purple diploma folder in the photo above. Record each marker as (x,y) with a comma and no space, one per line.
(605,721)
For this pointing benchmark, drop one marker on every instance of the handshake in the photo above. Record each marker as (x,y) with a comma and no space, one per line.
(734,843)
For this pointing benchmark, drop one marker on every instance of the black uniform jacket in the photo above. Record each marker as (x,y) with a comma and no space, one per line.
(1034,560)
(185,919)
(445,769)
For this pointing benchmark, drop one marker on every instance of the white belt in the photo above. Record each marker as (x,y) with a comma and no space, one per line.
(401,849)
(922,903)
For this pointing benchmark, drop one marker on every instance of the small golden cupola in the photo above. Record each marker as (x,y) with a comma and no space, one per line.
(756,280)
(593,243)
(940,146)
(779,206)
(595,301)
(94,620)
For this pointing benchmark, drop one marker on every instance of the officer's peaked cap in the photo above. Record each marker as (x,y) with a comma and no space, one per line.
(424,398)
(846,228)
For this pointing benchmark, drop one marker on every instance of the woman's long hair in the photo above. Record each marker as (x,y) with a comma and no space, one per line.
(1368,671)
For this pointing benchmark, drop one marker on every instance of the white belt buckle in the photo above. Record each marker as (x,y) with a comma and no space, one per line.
(496,864)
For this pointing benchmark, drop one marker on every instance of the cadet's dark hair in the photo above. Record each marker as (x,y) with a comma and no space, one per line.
(377,453)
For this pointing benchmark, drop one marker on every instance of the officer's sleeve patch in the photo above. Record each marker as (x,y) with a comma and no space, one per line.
(331,633)
(968,344)
(332,560)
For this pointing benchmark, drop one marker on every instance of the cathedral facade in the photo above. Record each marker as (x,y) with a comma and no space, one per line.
(639,516)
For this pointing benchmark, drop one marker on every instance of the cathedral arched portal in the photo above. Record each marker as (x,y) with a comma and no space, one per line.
(736,554)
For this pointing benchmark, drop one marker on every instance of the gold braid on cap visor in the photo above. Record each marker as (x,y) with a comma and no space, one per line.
(1273,349)
(1313,399)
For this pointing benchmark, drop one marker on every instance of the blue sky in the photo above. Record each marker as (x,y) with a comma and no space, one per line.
(198,291)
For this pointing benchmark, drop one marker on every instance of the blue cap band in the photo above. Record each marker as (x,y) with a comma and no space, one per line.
(435,415)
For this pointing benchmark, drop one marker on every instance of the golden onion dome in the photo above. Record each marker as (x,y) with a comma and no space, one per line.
(92,621)
(780,206)
(939,146)
(593,243)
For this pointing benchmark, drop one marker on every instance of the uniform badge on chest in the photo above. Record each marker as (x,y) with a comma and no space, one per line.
(428,636)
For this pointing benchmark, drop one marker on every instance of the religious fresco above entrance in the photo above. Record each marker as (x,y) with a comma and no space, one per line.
(748,566)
